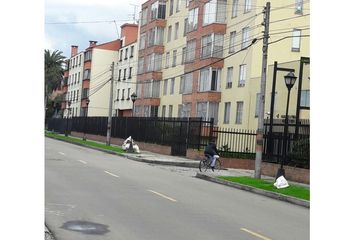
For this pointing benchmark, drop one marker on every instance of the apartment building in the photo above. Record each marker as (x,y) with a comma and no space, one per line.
(195,58)
(98,61)
(73,76)
(125,71)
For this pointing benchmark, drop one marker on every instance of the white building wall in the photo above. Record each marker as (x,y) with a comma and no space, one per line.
(99,82)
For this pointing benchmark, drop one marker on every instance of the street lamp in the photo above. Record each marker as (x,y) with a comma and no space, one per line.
(87,104)
(290,79)
(133,97)
(67,118)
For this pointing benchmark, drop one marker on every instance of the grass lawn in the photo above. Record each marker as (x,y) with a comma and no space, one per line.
(292,190)
(87,142)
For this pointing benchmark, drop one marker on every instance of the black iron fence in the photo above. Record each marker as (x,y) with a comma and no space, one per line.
(195,133)
(297,143)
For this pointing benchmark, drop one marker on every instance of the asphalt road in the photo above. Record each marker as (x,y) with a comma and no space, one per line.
(94,195)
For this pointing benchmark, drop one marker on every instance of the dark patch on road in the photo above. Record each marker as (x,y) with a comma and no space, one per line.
(86,227)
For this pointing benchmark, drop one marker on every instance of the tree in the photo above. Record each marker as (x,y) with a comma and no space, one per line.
(53,72)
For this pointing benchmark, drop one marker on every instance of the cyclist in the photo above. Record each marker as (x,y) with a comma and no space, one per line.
(211,152)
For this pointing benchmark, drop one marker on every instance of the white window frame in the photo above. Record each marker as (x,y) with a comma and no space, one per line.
(239,112)
(245,37)
(242,75)
(232,44)
(234,8)
(296,40)
(206,85)
(229,76)
(227,112)
(248,6)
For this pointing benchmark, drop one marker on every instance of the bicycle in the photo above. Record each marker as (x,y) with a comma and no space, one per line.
(205,163)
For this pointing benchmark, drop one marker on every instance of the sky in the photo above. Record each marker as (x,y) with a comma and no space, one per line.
(63,30)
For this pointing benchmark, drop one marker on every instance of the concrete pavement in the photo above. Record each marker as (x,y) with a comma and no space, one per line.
(155,158)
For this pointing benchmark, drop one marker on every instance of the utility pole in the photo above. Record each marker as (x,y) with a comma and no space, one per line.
(109,122)
(260,128)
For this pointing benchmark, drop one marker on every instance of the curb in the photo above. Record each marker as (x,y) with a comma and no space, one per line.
(138,159)
(269,194)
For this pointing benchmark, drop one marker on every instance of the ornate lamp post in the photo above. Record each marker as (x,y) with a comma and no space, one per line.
(87,104)
(133,97)
(290,79)
(67,118)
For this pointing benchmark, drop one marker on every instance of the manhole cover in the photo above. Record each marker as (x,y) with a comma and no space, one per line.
(86,227)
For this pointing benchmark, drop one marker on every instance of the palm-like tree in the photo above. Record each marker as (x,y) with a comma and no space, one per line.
(53,71)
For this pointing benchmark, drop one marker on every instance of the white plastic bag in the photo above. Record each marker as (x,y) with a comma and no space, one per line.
(281,182)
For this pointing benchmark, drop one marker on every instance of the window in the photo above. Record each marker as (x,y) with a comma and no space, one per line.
(234,8)
(245,37)
(190,53)
(185,27)
(85,93)
(184,110)
(87,74)
(78,78)
(184,51)
(144,16)
(151,89)
(169,33)
(141,65)
(124,73)
(178,5)
(137,110)
(126,54)
(121,55)
(142,41)
(154,62)
(139,88)
(172,86)
(131,51)
(248,4)
(174,58)
(176,30)
(305,98)
(128,97)
(165,86)
(207,110)
(242,75)
(186,83)
(298,6)
(119,74)
(167,63)
(155,36)
(170,110)
(229,76)
(296,40)
(212,45)
(158,10)
(192,20)
(232,46)
(123,91)
(87,55)
(258,97)
(227,113)
(239,109)
(209,79)
(214,11)
(118,90)
(171,7)
(130,72)
(163,114)
(146,111)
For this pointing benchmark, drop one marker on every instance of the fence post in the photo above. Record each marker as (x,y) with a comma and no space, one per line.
(211,129)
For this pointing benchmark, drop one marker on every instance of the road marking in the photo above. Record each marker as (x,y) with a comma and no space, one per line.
(82,161)
(62,153)
(111,174)
(164,196)
(255,234)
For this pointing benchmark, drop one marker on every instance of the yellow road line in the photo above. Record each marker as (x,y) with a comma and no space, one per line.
(255,234)
(164,196)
